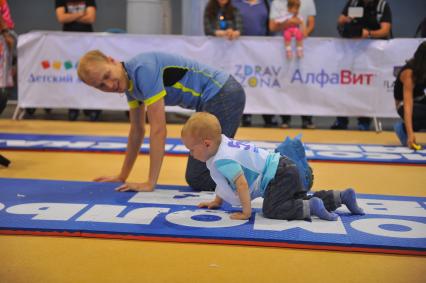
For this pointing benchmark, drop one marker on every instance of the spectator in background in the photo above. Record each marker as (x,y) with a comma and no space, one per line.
(7,48)
(410,98)
(421,29)
(308,12)
(6,26)
(375,23)
(77,15)
(297,30)
(222,19)
(254,14)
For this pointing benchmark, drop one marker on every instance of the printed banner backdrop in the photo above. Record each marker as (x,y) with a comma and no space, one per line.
(392,224)
(336,76)
(314,152)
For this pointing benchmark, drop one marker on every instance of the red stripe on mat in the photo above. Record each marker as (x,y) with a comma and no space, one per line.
(215,241)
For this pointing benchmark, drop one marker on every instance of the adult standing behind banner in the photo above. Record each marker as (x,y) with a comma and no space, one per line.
(255,14)
(7,51)
(79,16)
(410,98)
(6,27)
(363,19)
(151,81)
(308,12)
(222,19)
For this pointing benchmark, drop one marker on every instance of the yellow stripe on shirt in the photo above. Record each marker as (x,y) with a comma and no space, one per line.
(180,86)
(155,98)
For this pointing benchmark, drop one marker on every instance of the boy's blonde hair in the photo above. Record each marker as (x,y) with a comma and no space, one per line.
(202,126)
(90,58)
(293,3)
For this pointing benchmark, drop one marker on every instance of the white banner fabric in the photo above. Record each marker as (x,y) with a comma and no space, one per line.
(335,77)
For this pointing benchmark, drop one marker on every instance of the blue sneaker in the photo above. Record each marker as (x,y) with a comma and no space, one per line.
(295,151)
(399,129)
(364,126)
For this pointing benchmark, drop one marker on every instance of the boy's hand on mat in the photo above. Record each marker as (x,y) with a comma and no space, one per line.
(240,216)
(137,187)
(209,205)
(109,179)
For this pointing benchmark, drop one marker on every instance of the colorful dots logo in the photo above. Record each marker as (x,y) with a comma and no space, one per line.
(45,64)
(68,65)
(57,65)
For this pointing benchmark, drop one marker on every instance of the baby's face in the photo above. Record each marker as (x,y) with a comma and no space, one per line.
(197,148)
(293,10)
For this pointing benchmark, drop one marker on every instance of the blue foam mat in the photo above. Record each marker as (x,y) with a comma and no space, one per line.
(366,153)
(393,224)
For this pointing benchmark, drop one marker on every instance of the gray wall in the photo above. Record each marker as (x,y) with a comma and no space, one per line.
(40,15)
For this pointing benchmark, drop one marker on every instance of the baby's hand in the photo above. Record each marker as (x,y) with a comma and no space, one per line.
(209,205)
(240,216)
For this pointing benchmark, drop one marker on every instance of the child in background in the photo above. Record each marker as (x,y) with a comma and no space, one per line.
(243,172)
(296,31)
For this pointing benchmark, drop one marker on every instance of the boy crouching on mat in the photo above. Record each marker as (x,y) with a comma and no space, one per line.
(243,172)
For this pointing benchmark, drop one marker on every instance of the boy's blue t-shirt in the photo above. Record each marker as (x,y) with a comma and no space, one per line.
(179,80)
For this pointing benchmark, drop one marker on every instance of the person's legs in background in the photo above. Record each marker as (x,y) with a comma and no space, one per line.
(269,121)
(307,122)
(341,123)
(246,120)
(364,123)
(73,114)
(285,121)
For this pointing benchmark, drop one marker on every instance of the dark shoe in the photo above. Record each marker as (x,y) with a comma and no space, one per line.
(308,125)
(4,161)
(339,126)
(30,111)
(246,120)
(94,115)
(73,114)
(363,126)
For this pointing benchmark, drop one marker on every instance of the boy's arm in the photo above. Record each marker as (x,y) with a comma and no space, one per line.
(244,195)
(216,203)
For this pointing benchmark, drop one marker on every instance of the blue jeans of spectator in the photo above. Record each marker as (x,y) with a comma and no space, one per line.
(227,106)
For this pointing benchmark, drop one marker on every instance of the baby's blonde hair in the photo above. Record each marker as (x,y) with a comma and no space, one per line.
(202,126)
(90,58)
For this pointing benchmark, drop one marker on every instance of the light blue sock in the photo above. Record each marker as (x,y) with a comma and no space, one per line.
(348,197)
(318,209)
